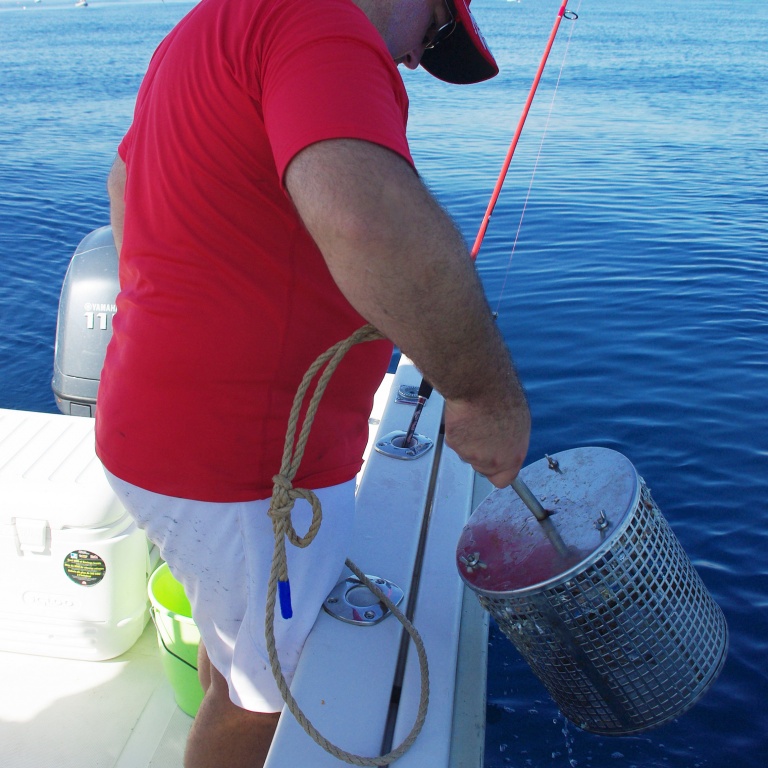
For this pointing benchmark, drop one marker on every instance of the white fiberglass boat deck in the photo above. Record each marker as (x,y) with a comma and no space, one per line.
(121,713)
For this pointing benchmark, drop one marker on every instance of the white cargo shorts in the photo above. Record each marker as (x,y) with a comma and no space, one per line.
(221,553)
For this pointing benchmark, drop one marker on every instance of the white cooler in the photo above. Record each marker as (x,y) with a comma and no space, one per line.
(73,565)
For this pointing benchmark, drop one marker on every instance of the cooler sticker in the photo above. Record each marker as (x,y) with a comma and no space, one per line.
(84,567)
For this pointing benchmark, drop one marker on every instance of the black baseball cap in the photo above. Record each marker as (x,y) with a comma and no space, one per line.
(462,57)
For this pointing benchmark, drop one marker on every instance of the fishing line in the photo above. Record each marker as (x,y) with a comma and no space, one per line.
(571,16)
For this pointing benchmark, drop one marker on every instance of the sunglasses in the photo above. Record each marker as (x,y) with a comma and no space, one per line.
(441,33)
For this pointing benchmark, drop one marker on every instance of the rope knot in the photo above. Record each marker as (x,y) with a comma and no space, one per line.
(284,497)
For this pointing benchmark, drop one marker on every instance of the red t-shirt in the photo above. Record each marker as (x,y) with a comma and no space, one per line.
(225,300)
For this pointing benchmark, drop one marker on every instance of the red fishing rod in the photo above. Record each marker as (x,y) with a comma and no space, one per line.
(513,145)
(425,389)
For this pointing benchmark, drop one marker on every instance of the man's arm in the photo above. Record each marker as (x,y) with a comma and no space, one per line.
(400,261)
(116,190)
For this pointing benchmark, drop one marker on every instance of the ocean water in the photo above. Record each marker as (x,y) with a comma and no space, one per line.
(627,259)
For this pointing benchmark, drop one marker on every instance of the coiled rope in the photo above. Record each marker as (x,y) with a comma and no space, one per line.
(284,496)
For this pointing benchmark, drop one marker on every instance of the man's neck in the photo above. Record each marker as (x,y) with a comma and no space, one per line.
(378,11)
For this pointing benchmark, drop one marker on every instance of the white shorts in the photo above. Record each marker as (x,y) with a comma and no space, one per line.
(221,553)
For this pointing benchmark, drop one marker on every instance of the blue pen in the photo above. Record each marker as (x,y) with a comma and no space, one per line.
(284,592)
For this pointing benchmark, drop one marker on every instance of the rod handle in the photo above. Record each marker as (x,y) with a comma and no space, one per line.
(425,390)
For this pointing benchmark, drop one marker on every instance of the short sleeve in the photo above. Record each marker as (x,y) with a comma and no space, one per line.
(331,78)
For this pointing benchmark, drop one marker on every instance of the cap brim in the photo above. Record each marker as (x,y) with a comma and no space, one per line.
(464,57)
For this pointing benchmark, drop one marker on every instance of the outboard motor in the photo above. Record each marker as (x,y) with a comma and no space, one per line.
(84,326)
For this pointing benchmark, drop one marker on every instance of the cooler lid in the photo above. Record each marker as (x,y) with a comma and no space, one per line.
(49,471)
(590,492)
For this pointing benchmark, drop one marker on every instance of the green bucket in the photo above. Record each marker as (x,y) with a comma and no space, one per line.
(177,637)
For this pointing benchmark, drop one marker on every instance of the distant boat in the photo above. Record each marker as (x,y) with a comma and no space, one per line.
(81,3)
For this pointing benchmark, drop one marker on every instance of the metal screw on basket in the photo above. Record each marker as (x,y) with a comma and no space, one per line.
(608,611)
(552,463)
(472,561)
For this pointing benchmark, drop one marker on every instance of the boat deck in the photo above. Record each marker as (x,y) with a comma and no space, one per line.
(121,713)
(68,713)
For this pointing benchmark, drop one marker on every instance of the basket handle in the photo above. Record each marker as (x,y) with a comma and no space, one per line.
(541,514)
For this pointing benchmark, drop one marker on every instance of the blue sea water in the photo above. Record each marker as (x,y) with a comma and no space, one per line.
(635,299)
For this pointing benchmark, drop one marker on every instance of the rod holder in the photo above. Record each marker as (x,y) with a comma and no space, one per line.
(394,445)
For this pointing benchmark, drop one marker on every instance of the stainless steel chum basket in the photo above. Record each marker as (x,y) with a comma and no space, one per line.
(600,600)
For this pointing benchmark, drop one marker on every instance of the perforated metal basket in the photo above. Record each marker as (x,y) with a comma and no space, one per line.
(619,627)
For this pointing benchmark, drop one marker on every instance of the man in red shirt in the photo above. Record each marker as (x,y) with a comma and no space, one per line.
(265,205)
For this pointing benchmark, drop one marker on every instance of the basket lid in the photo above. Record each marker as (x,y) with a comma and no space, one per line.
(590,493)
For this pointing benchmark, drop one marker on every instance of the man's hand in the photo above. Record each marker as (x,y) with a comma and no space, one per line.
(492,438)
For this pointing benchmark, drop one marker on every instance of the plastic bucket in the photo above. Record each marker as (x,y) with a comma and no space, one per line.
(177,637)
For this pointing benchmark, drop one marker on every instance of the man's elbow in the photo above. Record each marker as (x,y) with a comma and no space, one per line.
(116,181)
(116,192)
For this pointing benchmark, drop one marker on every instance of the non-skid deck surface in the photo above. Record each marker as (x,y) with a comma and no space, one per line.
(63,713)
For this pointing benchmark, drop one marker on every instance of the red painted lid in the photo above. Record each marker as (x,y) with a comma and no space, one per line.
(590,492)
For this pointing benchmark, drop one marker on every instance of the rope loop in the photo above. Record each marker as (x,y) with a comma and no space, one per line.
(284,496)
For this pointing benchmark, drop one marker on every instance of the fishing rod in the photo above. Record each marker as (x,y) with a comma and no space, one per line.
(513,144)
(425,388)
(409,445)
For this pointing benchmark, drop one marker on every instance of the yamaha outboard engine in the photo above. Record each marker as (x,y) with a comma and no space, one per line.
(84,326)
